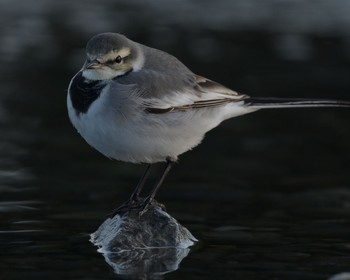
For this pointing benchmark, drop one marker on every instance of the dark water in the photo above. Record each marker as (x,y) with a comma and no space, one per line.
(267,194)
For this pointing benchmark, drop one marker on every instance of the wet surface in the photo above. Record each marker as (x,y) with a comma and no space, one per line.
(266,194)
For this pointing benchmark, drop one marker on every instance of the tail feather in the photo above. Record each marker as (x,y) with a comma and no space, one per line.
(270,102)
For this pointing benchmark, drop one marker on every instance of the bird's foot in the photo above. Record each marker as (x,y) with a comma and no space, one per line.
(148,203)
(145,206)
(136,204)
(130,204)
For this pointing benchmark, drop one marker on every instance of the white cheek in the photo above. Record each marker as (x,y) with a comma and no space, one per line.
(99,74)
(139,62)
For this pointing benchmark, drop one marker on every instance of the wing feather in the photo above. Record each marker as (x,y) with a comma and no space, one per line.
(204,93)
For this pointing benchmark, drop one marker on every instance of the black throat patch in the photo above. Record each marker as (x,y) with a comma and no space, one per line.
(84,92)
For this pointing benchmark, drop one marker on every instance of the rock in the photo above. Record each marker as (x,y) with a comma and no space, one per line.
(134,244)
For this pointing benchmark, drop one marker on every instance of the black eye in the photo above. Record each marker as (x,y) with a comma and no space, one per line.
(118,59)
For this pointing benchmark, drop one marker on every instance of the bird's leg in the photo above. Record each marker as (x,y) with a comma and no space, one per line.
(154,191)
(135,194)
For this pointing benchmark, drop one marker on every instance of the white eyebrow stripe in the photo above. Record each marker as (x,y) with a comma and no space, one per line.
(123,52)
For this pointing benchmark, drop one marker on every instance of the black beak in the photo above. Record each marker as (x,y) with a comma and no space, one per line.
(93,65)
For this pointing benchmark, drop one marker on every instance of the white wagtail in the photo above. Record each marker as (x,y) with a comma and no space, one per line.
(138,104)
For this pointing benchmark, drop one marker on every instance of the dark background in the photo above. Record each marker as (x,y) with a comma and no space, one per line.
(266,194)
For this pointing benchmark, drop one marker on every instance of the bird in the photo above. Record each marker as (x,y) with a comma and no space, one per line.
(138,104)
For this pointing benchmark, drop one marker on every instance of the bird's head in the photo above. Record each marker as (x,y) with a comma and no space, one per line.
(110,55)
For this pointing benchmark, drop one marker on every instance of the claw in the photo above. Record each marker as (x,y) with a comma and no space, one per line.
(145,205)
(126,206)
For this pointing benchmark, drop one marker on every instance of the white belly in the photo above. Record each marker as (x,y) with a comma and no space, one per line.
(141,137)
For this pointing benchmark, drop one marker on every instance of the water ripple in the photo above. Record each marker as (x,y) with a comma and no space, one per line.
(9,206)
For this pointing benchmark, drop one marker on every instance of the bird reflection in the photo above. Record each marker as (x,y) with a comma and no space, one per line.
(143,246)
(146,263)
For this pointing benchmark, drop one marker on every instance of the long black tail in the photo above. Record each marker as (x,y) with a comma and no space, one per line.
(270,102)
